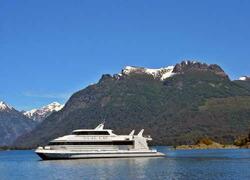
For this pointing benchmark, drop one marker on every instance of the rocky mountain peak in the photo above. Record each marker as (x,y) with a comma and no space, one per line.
(5,107)
(12,124)
(54,106)
(43,112)
(191,66)
(168,71)
(105,77)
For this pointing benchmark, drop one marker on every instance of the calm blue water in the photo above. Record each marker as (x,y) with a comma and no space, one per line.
(181,164)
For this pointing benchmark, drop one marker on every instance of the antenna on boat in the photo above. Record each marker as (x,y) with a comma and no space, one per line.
(132,133)
(140,133)
(100,126)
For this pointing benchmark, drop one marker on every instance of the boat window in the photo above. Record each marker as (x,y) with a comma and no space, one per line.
(91,133)
(94,143)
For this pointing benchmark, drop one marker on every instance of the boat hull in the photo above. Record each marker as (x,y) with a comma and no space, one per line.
(54,155)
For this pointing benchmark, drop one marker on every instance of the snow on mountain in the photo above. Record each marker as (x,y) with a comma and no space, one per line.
(169,71)
(43,112)
(244,78)
(4,106)
(161,73)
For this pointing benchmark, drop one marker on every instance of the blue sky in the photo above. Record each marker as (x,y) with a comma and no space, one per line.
(50,49)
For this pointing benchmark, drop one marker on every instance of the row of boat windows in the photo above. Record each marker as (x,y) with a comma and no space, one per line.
(91,133)
(93,143)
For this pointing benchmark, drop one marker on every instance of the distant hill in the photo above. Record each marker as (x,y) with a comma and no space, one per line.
(175,105)
(12,124)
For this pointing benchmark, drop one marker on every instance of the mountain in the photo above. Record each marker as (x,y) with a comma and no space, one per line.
(175,105)
(12,124)
(43,112)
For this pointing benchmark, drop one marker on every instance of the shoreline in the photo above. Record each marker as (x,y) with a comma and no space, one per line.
(208,143)
(205,147)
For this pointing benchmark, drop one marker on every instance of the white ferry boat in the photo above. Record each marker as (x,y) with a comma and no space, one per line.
(97,143)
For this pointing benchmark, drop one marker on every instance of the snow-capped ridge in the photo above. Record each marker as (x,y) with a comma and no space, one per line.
(43,112)
(161,73)
(244,78)
(169,71)
(4,106)
(54,106)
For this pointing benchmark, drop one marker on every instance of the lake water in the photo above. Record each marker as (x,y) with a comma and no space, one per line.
(180,164)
